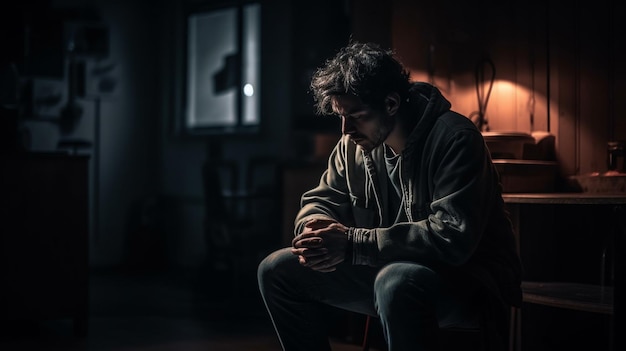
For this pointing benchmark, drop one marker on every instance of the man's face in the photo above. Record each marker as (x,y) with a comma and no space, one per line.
(366,127)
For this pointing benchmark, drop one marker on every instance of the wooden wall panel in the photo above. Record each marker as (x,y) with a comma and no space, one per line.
(562,59)
(446,42)
(564,33)
(583,40)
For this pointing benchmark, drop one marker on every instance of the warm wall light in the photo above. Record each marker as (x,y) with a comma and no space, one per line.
(511,107)
(518,108)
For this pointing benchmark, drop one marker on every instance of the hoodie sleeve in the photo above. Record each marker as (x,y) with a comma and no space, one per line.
(330,199)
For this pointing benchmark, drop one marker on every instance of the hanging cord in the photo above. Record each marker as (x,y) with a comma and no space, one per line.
(478,117)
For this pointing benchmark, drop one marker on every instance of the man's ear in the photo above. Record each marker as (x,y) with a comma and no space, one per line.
(392,103)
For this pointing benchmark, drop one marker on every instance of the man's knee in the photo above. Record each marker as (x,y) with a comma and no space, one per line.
(400,280)
(275,263)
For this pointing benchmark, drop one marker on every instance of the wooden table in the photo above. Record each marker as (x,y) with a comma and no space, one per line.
(603,299)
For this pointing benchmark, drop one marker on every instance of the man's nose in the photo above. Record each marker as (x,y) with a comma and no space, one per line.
(346,126)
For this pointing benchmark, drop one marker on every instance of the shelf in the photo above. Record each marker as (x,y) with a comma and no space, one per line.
(565,198)
(581,297)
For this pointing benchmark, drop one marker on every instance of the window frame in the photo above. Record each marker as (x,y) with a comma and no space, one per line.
(183,125)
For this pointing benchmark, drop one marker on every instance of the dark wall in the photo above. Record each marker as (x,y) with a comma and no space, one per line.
(320,29)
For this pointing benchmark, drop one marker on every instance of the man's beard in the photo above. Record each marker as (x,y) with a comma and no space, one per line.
(383,133)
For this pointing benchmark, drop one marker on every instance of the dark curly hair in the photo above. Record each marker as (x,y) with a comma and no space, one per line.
(364,70)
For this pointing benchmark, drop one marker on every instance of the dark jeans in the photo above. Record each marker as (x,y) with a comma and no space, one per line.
(411,300)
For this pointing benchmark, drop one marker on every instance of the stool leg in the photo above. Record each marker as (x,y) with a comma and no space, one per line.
(515,330)
(366,342)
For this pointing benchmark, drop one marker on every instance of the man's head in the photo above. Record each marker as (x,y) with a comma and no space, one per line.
(364,85)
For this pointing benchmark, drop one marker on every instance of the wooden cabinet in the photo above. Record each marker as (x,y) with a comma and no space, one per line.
(572,249)
(44,238)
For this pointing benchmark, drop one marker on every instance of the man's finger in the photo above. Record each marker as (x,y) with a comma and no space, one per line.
(314,242)
(301,236)
(309,252)
(315,252)
(318,223)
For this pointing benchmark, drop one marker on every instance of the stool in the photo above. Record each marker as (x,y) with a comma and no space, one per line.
(489,336)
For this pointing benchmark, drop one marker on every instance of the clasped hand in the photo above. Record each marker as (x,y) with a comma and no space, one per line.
(322,245)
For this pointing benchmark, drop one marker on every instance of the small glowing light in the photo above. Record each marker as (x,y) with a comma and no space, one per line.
(248,90)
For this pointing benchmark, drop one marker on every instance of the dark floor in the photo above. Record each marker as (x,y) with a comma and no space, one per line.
(159,311)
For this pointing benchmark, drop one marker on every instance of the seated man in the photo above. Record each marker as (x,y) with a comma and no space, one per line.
(407,223)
